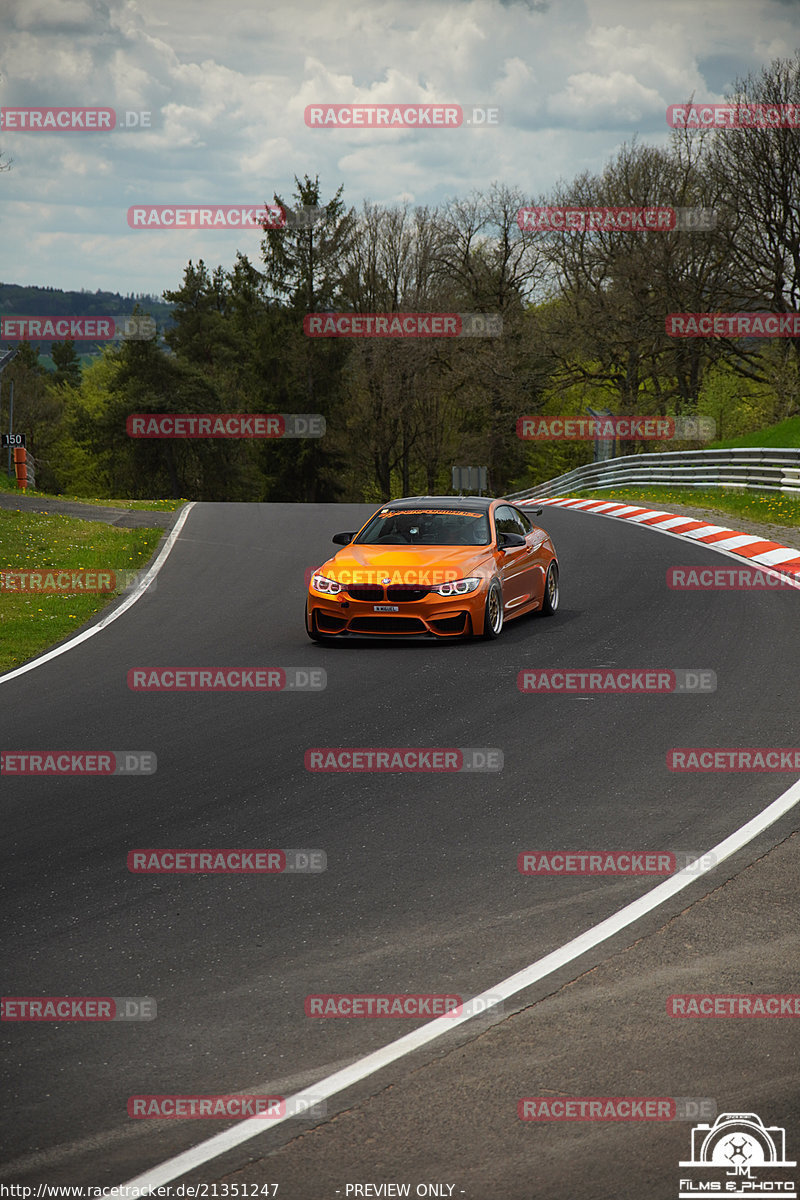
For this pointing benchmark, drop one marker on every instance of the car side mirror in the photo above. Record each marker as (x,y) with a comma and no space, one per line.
(343,539)
(508,540)
(538,512)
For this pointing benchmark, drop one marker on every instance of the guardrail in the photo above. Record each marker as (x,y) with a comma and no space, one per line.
(756,467)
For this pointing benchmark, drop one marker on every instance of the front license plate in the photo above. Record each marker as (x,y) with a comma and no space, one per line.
(386,608)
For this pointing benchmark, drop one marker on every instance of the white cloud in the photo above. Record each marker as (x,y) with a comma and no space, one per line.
(227,86)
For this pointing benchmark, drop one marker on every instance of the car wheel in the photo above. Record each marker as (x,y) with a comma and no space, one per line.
(493,613)
(550,597)
(312,631)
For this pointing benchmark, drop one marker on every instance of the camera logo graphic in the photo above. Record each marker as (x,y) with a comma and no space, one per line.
(736,1145)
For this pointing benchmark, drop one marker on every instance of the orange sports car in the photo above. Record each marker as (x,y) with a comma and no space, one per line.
(434,566)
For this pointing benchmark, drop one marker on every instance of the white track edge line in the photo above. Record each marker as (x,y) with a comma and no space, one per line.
(173,1168)
(104,622)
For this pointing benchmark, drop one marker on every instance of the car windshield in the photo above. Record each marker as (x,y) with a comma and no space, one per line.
(426,527)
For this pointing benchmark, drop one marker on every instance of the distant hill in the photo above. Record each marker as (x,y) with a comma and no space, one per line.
(31,301)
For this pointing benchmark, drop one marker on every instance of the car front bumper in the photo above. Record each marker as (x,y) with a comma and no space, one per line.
(431,616)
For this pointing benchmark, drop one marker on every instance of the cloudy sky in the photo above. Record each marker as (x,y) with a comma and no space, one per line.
(226,84)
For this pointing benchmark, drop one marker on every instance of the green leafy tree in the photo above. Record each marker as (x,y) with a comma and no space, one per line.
(141,378)
(68,365)
(303,269)
(37,408)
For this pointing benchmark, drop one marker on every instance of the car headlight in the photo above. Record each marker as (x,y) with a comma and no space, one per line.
(458,587)
(322,583)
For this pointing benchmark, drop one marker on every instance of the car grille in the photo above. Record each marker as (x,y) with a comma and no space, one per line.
(399,593)
(328,623)
(454,624)
(387,625)
(405,591)
(365,591)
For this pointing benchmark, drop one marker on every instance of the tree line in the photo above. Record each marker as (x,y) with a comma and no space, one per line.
(583,325)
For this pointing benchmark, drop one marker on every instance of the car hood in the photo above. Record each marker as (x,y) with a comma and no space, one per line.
(405,564)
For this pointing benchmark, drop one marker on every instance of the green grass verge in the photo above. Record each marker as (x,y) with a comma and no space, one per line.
(142,505)
(6,485)
(31,621)
(772,508)
(786,434)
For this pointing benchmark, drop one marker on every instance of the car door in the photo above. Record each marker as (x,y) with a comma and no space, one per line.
(516,562)
(539,556)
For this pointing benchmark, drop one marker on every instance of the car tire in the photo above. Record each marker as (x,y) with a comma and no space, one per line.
(551,591)
(493,613)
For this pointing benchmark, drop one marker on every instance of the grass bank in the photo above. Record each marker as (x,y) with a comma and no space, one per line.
(771,508)
(30,622)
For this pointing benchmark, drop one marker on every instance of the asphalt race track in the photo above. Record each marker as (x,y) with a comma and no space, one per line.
(421,892)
